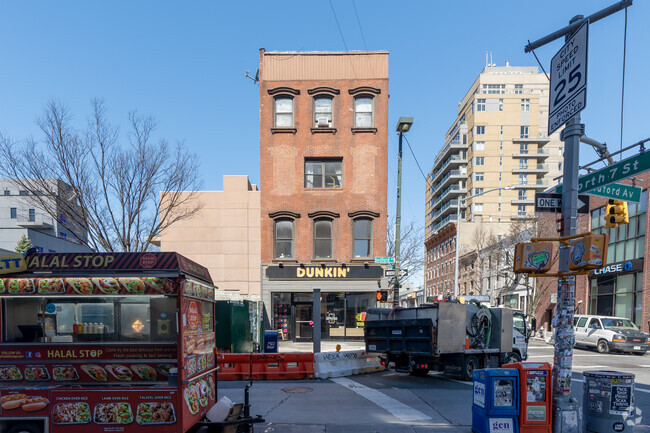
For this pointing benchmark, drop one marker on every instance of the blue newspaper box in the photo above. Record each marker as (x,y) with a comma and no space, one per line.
(495,405)
(270,341)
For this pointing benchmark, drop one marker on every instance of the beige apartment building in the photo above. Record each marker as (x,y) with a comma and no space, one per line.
(499,139)
(223,236)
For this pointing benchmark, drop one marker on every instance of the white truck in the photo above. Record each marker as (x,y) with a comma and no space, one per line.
(447,336)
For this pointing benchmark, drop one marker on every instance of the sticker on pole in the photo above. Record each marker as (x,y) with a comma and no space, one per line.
(568,92)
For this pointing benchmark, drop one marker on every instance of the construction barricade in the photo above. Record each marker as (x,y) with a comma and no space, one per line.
(265,366)
(339,364)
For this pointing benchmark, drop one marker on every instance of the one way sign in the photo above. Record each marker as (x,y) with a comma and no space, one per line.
(552,203)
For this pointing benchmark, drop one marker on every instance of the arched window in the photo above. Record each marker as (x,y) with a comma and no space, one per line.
(362,237)
(323,112)
(323,239)
(363,112)
(283,111)
(283,237)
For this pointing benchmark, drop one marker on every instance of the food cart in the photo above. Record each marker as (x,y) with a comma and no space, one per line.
(89,342)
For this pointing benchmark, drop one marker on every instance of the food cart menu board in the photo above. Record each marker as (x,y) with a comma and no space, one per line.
(85,372)
(86,286)
(198,337)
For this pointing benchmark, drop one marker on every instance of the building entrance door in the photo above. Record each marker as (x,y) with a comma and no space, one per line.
(304,317)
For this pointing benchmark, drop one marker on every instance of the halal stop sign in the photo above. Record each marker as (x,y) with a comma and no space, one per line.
(193,315)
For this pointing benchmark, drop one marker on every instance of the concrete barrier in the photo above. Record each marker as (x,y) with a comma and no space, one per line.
(339,364)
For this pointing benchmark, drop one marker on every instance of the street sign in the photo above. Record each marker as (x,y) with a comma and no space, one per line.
(384,259)
(389,272)
(403,272)
(547,202)
(568,95)
(619,191)
(610,174)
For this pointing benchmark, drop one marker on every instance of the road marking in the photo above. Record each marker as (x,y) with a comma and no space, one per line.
(395,407)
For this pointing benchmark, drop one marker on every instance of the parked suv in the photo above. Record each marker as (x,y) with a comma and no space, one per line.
(607,333)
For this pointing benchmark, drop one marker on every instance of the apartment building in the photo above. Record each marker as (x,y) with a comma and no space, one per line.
(499,139)
(323,160)
(21,214)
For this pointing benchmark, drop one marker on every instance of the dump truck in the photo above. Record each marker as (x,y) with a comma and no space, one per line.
(452,337)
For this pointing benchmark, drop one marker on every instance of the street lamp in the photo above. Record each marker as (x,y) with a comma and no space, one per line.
(403,125)
(458,202)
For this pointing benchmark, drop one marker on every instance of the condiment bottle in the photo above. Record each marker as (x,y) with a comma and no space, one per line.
(101,328)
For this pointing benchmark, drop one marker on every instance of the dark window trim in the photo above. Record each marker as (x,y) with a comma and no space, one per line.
(293,237)
(323,90)
(372,235)
(324,214)
(364,89)
(363,213)
(292,128)
(331,238)
(283,130)
(283,90)
(356,130)
(323,130)
(284,214)
(313,111)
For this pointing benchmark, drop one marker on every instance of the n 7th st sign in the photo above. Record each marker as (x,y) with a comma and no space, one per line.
(626,168)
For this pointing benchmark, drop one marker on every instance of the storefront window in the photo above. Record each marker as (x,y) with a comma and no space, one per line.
(618,296)
(357,304)
(333,316)
(282,317)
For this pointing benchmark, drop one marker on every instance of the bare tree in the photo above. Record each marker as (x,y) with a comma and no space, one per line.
(111,196)
(483,241)
(411,247)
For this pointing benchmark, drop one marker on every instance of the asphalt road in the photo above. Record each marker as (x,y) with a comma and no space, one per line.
(398,403)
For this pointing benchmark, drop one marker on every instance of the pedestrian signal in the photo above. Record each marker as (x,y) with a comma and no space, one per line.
(382,295)
(616,214)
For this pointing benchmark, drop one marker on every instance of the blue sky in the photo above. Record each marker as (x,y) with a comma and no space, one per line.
(184,63)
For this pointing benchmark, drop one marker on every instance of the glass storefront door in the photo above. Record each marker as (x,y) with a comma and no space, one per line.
(304,320)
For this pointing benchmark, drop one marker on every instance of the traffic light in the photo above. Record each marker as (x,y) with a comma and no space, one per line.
(616,214)
(532,258)
(588,252)
(382,295)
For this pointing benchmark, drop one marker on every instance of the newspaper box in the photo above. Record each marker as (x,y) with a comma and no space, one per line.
(495,405)
(536,400)
(608,401)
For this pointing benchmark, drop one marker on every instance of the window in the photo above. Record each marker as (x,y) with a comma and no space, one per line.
(283,112)
(323,239)
(62,217)
(32,215)
(478,191)
(13,212)
(559,151)
(363,112)
(519,88)
(494,88)
(523,163)
(62,235)
(23,192)
(479,145)
(362,237)
(500,104)
(523,132)
(478,207)
(523,147)
(522,194)
(480,105)
(323,174)
(559,166)
(7,192)
(478,176)
(523,179)
(480,130)
(479,160)
(323,111)
(521,210)
(525,105)
(283,233)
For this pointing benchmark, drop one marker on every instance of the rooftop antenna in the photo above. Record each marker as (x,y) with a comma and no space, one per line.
(255,79)
(486,59)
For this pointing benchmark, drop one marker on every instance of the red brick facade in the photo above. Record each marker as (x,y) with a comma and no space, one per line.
(439,262)
(283,152)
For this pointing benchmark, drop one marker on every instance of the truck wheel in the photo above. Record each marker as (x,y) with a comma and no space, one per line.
(24,428)
(602,346)
(470,363)
(512,358)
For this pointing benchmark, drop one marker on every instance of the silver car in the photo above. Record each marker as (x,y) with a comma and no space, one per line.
(607,333)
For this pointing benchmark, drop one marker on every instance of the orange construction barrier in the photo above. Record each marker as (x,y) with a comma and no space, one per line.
(233,366)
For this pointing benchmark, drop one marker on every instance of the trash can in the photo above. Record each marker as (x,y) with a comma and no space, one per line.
(608,401)
(495,404)
(535,395)
(270,341)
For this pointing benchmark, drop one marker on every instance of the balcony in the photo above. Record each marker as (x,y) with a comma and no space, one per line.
(454,189)
(37,222)
(450,219)
(540,154)
(539,168)
(461,158)
(540,184)
(447,208)
(452,176)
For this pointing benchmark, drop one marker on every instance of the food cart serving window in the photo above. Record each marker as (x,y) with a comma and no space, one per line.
(94,340)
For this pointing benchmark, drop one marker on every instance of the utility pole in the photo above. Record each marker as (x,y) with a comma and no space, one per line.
(403,125)
(566,416)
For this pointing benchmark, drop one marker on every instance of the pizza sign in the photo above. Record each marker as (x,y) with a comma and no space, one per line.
(193,315)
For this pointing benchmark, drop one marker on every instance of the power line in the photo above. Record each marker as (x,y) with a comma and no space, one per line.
(416,161)
(342,37)
(359,22)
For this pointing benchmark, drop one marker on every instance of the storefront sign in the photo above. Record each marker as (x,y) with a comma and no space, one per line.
(54,352)
(621,267)
(324,272)
(12,263)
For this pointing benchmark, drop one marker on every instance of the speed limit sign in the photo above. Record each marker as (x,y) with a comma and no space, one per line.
(568,95)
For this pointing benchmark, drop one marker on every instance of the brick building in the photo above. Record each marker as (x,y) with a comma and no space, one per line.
(323,159)
(619,288)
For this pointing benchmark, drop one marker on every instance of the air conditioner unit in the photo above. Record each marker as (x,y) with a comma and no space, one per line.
(323,122)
